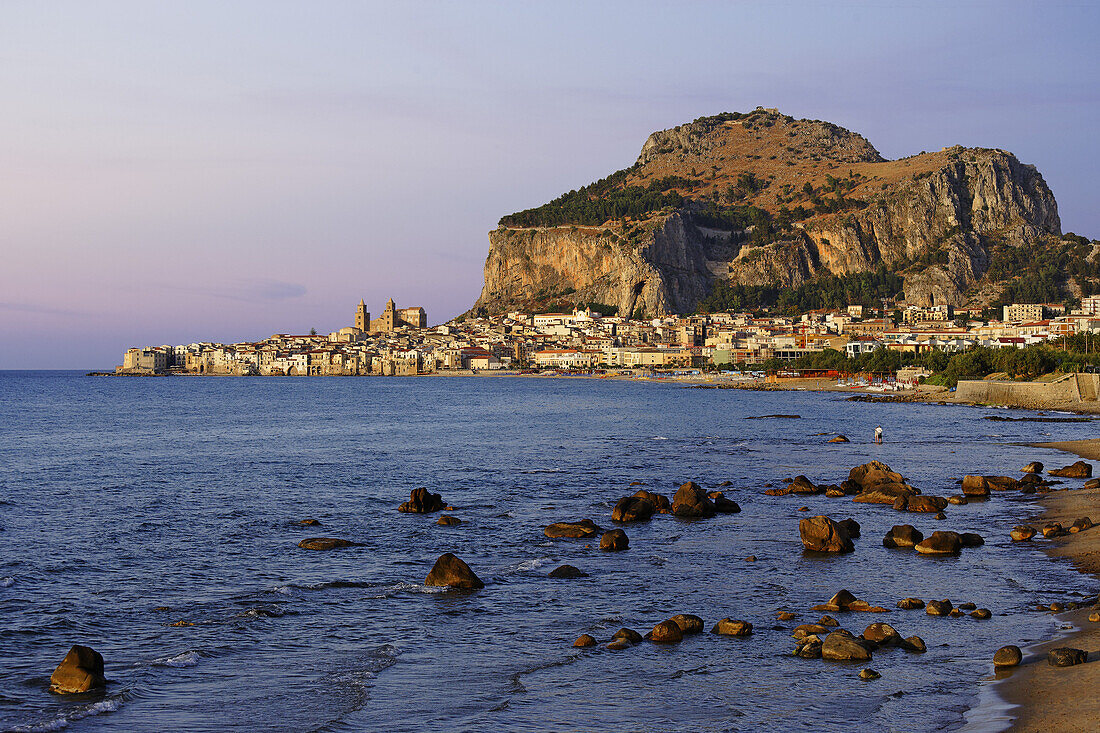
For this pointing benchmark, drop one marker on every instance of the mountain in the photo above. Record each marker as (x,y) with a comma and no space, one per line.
(744,210)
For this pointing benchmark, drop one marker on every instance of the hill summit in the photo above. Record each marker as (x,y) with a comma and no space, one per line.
(741,210)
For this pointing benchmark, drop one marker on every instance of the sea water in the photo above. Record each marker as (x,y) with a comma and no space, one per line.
(128,506)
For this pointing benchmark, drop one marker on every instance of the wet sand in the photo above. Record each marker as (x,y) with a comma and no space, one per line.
(1063,699)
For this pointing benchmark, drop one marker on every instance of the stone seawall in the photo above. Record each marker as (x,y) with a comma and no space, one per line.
(1070,389)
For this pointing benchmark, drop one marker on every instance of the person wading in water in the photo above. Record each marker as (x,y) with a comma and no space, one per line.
(878,434)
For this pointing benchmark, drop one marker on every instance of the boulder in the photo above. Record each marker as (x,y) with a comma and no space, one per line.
(1001,483)
(732,627)
(968,606)
(809,648)
(927,504)
(1081,524)
(804,630)
(958,500)
(902,535)
(941,515)
(1066,657)
(722,505)
(325,543)
(786,616)
(914,644)
(691,501)
(839,439)
(448,521)
(1022,533)
(422,501)
(629,635)
(971,539)
(1008,656)
(1092,483)
(584,640)
(882,634)
(940,543)
(874,473)
(576,528)
(1080,469)
(1033,467)
(803,485)
(688,623)
(659,501)
(80,671)
(828,621)
(850,527)
(821,534)
(938,608)
(618,645)
(310,523)
(834,492)
(567,572)
(1031,478)
(614,541)
(883,494)
(910,604)
(1052,530)
(981,614)
(666,632)
(975,486)
(451,572)
(842,600)
(869,674)
(840,646)
(633,509)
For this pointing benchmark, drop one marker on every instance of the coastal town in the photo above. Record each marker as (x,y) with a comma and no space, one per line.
(400,342)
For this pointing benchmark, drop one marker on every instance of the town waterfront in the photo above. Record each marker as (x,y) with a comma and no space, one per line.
(156,520)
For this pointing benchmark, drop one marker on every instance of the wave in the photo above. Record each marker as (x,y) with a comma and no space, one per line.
(186,659)
(7,581)
(534,563)
(385,590)
(107,705)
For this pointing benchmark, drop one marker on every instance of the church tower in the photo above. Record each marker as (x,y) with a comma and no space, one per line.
(362,318)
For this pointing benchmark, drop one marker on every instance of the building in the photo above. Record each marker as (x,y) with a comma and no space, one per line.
(1018,312)
(362,317)
(393,319)
(144,361)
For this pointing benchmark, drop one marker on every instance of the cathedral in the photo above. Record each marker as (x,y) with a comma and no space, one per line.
(391,319)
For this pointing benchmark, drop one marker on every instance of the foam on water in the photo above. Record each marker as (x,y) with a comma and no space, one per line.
(7,581)
(108,705)
(185,659)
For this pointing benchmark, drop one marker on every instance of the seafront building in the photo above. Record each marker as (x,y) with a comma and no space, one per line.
(400,342)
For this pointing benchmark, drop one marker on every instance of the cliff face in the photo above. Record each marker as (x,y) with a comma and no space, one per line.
(935,217)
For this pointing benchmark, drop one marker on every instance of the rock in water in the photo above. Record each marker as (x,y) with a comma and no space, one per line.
(451,572)
(689,623)
(940,543)
(1022,533)
(821,534)
(80,671)
(584,640)
(975,486)
(691,501)
(869,674)
(325,543)
(422,501)
(568,572)
(661,502)
(840,646)
(1033,467)
(614,541)
(574,529)
(1066,657)
(448,521)
(666,632)
(839,439)
(732,627)
(629,635)
(633,509)
(1008,656)
(1080,469)
(850,527)
(902,535)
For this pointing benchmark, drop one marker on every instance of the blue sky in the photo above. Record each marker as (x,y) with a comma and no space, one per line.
(173,172)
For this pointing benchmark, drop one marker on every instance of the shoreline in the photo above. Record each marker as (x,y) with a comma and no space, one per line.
(1045,698)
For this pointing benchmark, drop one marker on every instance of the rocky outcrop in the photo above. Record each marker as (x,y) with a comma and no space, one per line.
(935,217)
(80,671)
(451,572)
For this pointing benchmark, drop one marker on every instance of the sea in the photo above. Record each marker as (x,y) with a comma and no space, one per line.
(157,521)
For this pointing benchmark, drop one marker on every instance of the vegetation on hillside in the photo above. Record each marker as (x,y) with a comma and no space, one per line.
(833,291)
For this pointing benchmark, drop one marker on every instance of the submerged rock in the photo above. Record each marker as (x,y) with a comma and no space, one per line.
(584,640)
(841,646)
(1022,533)
(688,623)
(839,439)
(666,632)
(80,671)
(869,674)
(938,608)
(1033,467)
(567,572)
(629,635)
(940,543)
(722,505)
(451,572)
(902,535)
(909,604)
(326,543)
(448,521)
(922,504)
(633,509)
(578,528)
(850,527)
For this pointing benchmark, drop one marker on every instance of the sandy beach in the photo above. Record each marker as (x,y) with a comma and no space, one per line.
(1063,699)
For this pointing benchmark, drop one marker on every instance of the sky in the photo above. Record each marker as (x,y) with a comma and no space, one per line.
(211,171)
